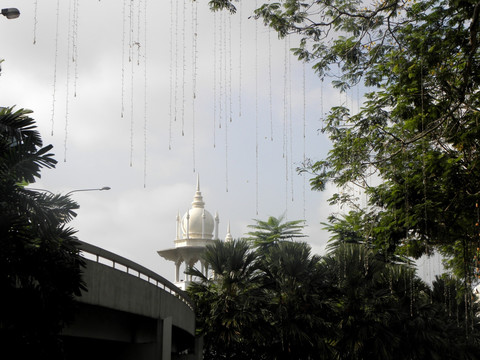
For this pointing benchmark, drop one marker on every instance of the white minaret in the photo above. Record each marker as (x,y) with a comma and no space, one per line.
(177,233)
(217,221)
(196,229)
(228,237)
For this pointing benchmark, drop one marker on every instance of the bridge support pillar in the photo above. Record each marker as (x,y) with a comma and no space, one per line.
(164,339)
(198,351)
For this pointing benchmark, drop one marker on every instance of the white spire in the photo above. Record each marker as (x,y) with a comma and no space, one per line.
(217,220)
(198,199)
(178,225)
(228,237)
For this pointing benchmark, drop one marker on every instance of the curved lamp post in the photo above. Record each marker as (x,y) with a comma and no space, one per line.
(100,189)
(11,13)
(72,191)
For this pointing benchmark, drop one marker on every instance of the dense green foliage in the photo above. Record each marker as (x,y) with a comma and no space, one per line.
(413,145)
(282,302)
(411,149)
(40,267)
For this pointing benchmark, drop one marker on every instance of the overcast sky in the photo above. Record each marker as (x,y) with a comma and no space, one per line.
(83,77)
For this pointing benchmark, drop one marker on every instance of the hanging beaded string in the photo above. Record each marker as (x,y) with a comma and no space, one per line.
(256,112)
(465,297)
(290,118)
(55,68)
(75,45)
(411,286)
(321,106)
(407,235)
(172,88)
(446,301)
(67,92)
(215,62)
(176,61)
(229,55)
(285,121)
(270,81)
(226,156)
(35,22)
(194,73)
(358,97)
(390,277)
(285,107)
(352,101)
(229,46)
(224,69)
(225,61)
(475,269)
(477,254)
(145,120)
(408,240)
(220,69)
(472,314)
(456,306)
(130,59)
(339,267)
(194,47)
(124,13)
(424,176)
(137,42)
(304,138)
(366,263)
(184,66)
(414,292)
(240,17)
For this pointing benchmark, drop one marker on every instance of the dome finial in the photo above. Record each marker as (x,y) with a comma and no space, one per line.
(198,199)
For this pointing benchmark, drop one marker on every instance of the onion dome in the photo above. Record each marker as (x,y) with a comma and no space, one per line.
(198,223)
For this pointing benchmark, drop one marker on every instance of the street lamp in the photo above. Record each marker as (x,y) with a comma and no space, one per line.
(100,189)
(72,191)
(11,13)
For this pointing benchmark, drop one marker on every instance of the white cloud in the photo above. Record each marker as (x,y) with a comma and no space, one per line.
(134,221)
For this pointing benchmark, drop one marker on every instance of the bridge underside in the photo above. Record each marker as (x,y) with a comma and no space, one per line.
(102,333)
(129,312)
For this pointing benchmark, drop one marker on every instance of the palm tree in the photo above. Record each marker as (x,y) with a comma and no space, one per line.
(298,303)
(366,302)
(384,311)
(227,305)
(40,266)
(274,230)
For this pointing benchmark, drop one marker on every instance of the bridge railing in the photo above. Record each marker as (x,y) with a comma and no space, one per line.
(105,257)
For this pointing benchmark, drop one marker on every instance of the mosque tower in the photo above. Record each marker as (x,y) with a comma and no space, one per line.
(195,230)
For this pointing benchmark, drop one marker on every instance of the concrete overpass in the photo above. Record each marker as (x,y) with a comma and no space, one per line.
(129,312)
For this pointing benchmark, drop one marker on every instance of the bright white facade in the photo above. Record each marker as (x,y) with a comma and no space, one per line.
(195,230)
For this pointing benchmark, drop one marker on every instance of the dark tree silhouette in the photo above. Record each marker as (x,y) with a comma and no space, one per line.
(40,266)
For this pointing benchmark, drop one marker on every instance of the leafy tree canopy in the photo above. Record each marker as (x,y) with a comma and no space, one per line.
(281,302)
(40,267)
(413,145)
